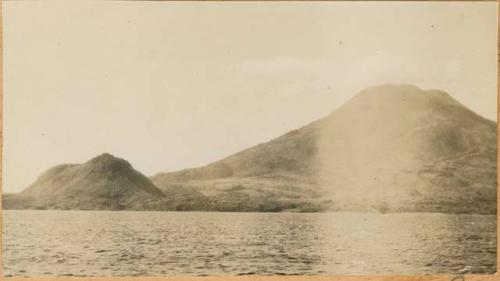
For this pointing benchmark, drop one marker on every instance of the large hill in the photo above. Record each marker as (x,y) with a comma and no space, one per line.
(391,148)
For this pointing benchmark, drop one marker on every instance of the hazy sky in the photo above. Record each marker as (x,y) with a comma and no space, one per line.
(171,85)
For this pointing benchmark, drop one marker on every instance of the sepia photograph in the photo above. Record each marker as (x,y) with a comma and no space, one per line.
(219,138)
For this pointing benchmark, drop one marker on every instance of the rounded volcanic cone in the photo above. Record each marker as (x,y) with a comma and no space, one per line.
(104,182)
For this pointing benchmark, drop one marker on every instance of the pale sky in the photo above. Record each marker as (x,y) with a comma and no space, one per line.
(170,85)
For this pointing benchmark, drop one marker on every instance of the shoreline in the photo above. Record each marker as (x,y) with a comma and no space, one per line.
(247,212)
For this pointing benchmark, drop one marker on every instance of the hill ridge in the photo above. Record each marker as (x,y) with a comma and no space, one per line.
(391,148)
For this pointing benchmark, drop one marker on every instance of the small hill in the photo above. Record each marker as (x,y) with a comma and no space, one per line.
(390,148)
(104,182)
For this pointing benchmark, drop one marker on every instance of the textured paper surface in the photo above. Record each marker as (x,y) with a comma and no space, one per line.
(444,277)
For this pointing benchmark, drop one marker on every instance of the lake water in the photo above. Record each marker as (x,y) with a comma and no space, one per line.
(102,243)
